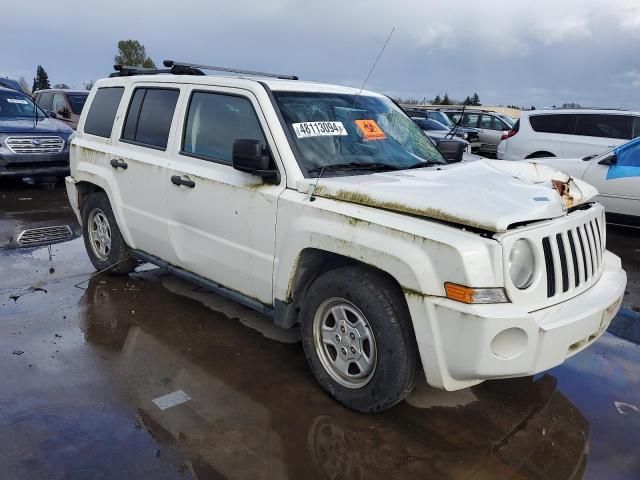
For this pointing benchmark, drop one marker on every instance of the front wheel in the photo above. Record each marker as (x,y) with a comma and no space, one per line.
(358,338)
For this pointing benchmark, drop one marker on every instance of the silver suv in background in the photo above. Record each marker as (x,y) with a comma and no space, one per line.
(568,133)
(491,126)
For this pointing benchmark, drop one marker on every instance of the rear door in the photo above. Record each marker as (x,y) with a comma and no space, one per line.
(222,222)
(491,129)
(139,161)
(597,133)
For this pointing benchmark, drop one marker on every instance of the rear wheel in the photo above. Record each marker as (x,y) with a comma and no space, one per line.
(358,338)
(103,241)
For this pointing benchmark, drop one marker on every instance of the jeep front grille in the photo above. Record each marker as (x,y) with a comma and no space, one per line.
(573,257)
(35,144)
(44,235)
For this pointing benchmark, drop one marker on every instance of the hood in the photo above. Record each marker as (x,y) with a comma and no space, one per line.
(485,194)
(27,125)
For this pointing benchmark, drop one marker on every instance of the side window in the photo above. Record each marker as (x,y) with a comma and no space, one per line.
(636,127)
(102,111)
(555,123)
(486,121)
(149,117)
(215,121)
(470,119)
(608,126)
(45,101)
(58,102)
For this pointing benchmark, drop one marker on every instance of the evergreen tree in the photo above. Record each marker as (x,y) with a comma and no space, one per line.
(445,100)
(467,101)
(437,100)
(41,80)
(475,100)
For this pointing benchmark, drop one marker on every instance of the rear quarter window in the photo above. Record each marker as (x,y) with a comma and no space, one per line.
(102,111)
(554,123)
(606,126)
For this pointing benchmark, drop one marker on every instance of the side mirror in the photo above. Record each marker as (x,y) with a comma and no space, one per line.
(63,112)
(451,149)
(52,114)
(250,156)
(609,160)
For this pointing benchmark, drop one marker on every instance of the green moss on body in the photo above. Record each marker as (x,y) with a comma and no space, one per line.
(364,199)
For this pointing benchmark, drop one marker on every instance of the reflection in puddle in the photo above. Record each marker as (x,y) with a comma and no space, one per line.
(256,411)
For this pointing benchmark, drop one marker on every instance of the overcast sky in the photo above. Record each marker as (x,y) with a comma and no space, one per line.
(511,52)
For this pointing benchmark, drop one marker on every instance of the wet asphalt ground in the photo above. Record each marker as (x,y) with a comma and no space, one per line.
(82,358)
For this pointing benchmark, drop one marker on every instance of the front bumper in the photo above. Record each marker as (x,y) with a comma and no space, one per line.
(28,165)
(462,345)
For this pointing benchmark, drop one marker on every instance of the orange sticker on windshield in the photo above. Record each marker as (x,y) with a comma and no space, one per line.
(370,130)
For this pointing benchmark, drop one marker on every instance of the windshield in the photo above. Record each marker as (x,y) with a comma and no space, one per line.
(77,102)
(623,152)
(334,129)
(16,104)
(442,118)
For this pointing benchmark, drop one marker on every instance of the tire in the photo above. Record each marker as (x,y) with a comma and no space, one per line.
(360,308)
(102,238)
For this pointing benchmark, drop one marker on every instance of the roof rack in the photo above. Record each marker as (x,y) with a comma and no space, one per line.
(173,64)
(128,70)
(182,68)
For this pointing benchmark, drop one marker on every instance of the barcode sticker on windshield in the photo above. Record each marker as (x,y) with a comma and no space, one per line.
(17,100)
(319,129)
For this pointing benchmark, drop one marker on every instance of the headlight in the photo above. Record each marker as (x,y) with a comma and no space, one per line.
(522,264)
(465,135)
(69,140)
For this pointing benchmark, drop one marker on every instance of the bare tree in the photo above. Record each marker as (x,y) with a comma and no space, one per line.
(24,85)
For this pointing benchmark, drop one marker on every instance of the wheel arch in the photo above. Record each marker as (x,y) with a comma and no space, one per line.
(540,154)
(310,264)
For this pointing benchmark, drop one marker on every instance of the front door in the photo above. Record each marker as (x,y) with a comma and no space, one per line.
(618,184)
(222,222)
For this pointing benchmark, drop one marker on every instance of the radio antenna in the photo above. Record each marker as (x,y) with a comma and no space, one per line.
(311,196)
(370,72)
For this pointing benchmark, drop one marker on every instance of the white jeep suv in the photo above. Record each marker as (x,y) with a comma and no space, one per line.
(330,209)
(567,133)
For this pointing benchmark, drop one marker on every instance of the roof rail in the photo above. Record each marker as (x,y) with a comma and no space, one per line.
(173,64)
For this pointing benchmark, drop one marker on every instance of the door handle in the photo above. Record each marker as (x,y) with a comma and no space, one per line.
(178,180)
(117,163)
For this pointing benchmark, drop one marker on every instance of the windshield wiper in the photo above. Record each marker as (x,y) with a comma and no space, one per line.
(355,166)
(589,157)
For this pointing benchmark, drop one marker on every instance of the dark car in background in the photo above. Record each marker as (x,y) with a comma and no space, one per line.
(10,83)
(63,104)
(467,134)
(31,143)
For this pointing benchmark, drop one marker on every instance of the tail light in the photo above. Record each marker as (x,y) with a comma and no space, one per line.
(509,134)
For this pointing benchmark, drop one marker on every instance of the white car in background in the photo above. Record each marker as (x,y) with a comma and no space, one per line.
(568,133)
(616,175)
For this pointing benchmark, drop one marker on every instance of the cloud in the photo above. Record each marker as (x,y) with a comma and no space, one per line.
(567,28)
(509,52)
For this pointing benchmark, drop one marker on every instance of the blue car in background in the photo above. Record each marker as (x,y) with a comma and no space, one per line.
(616,175)
(9,83)
(31,143)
